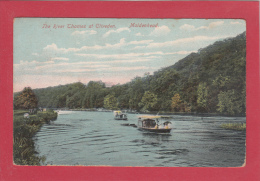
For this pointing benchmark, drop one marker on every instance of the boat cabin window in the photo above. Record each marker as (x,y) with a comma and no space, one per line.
(149,123)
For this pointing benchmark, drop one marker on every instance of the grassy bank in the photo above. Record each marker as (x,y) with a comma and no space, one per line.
(234,126)
(23,131)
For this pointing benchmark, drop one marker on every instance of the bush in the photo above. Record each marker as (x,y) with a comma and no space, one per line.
(48,116)
(23,131)
(234,126)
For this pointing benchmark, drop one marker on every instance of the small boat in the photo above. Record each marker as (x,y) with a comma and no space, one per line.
(118,115)
(151,123)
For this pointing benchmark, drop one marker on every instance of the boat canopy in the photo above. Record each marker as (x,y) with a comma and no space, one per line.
(117,112)
(166,117)
(149,117)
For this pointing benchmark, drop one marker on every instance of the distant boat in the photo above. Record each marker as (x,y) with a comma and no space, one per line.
(151,124)
(118,115)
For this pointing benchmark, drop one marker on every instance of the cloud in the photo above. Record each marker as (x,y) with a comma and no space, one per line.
(87,32)
(25,67)
(160,31)
(103,69)
(146,59)
(50,67)
(181,53)
(119,30)
(34,62)
(138,47)
(82,69)
(237,23)
(138,34)
(120,69)
(53,48)
(47,68)
(180,41)
(36,54)
(60,58)
(140,42)
(187,27)
(120,56)
(117,45)
(210,26)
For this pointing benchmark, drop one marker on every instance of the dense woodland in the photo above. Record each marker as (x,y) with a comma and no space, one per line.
(210,81)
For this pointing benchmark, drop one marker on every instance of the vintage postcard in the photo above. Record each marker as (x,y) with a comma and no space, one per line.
(129,92)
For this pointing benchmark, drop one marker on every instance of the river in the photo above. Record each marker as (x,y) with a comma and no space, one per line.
(95,138)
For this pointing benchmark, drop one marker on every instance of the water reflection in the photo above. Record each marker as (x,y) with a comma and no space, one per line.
(156,139)
(157,136)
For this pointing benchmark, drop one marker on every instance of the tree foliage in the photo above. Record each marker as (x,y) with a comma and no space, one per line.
(202,95)
(228,103)
(110,102)
(176,101)
(26,99)
(178,105)
(149,101)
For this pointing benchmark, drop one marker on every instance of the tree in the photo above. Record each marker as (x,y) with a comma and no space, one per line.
(123,101)
(176,101)
(221,82)
(61,101)
(94,94)
(202,97)
(110,102)
(148,102)
(74,101)
(135,92)
(228,103)
(26,99)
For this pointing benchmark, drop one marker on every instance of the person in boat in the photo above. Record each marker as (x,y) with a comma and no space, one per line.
(166,124)
(157,124)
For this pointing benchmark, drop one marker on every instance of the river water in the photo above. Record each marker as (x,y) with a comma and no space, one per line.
(95,138)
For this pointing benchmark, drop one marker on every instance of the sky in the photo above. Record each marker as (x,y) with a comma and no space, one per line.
(58,51)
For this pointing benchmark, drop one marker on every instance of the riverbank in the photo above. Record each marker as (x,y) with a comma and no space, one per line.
(155,112)
(23,131)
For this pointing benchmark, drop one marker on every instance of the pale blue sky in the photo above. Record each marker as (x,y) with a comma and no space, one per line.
(48,57)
